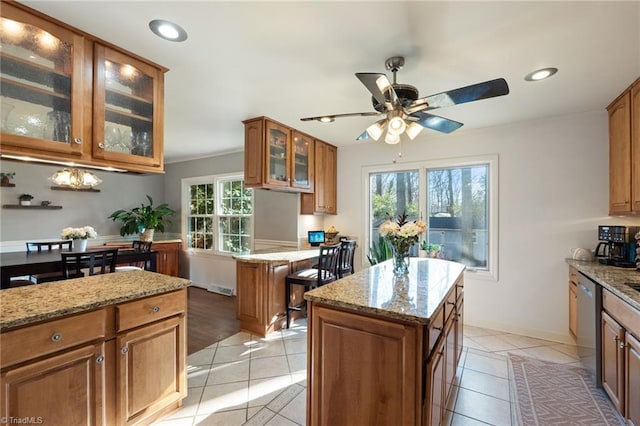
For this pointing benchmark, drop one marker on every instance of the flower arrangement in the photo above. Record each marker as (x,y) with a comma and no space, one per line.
(78,233)
(402,234)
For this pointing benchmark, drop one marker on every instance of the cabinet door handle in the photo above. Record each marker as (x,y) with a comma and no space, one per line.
(621,345)
(100,359)
(451,303)
(156,309)
(56,337)
(124,350)
(78,141)
(437,328)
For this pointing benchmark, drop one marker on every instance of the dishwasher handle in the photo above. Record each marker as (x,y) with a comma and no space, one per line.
(585,290)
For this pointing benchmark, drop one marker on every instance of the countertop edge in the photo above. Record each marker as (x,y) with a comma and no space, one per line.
(602,274)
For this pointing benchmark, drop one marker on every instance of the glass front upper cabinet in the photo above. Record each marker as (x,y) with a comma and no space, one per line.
(127,123)
(302,161)
(40,84)
(278,150)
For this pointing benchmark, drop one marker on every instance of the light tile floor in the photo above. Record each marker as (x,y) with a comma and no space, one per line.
(247,380)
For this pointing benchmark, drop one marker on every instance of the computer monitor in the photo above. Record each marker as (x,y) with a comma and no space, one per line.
(315,238)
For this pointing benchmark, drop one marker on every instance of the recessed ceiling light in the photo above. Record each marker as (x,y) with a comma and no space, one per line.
(168,30)
(540,74)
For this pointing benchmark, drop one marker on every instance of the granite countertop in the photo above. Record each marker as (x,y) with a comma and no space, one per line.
(375,290)
(612,278)
(29,304)
(278,257)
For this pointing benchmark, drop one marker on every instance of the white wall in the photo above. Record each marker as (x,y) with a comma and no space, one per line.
(553,190)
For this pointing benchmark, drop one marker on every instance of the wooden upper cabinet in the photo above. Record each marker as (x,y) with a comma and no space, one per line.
(635,147)
(624,152)
(324,198)
(41,83)
(68,96)
(277,157)
(127,112)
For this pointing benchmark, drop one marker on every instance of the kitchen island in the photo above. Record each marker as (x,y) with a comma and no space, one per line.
(385,350)
(104,349)
(260,287)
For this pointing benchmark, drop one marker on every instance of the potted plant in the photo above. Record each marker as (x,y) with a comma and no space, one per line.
(5,178)
(143,220)
(25,199)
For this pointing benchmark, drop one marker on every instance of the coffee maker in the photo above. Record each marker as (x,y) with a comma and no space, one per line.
(617,246)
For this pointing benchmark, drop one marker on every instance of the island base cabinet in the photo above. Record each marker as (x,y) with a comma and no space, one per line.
(633,380)
(144,396)
(433,409)
(64,389)
(363,370)
(613,361)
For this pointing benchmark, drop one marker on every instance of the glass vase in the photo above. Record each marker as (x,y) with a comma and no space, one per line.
(400,262)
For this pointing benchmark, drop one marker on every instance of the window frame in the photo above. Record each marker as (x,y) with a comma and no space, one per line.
(491,160)
(217,181)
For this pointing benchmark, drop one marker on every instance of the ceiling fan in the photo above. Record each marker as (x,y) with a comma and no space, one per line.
(404,112)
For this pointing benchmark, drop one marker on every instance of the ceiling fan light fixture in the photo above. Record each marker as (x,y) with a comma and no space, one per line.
(392,139)
(375,131)
(326,119)
(413,130)
(396,126)
(540,74)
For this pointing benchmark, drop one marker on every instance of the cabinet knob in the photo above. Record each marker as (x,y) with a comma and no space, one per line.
(156,309)
(56,337)
(621,345)
(124,350)
(78,140)
(101,145)
(100,359)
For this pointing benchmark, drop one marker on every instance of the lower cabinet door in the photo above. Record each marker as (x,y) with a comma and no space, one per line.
(433,410)
(613,361)
(151,370)
(65,389)
(633,380)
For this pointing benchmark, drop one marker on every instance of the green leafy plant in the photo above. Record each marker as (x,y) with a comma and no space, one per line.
(144,217)
(380,251)
(8,175)
(25,197)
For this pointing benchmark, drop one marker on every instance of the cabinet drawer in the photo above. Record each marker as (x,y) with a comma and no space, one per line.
(34,341)
(624,313)
(144,311)
(434,330)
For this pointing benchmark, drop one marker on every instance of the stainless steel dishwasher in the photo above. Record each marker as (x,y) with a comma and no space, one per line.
(588,327)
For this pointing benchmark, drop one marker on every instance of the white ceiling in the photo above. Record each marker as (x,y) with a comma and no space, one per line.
(288,60)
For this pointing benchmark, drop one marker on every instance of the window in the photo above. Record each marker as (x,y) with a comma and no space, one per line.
(458,198)
(219,213)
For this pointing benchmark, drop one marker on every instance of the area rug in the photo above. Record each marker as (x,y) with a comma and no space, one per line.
(547,393)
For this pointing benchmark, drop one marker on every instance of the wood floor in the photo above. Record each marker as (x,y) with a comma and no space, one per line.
(211,317)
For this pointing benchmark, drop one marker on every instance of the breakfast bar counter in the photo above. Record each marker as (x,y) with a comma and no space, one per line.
(385,349)
(260,287)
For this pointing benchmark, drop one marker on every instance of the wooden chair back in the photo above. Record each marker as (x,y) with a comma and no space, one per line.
(96,262)
(39,246)
(347,253)
(328,263)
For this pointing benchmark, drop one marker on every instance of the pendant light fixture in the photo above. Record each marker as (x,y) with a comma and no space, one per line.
(75,178)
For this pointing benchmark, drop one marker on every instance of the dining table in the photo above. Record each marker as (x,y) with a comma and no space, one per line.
(22,263)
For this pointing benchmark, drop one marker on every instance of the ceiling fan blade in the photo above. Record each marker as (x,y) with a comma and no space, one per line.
(380,87)
(331,117)
(435,122)
(475,92)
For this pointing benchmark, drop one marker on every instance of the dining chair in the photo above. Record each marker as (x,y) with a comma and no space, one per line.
(322,273)
(142,246)
(39,247)
(95,262)
(345,262)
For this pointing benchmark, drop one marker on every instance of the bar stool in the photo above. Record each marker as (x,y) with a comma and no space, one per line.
(324,273)
(347,252)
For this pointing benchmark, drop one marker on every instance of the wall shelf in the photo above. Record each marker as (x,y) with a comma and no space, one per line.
(64,188)
(8,185)
(35,207)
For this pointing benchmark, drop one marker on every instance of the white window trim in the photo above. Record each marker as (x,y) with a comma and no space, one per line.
(215,180)
(491,274)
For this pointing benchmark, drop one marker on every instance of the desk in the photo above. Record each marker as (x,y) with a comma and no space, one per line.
(19,263)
